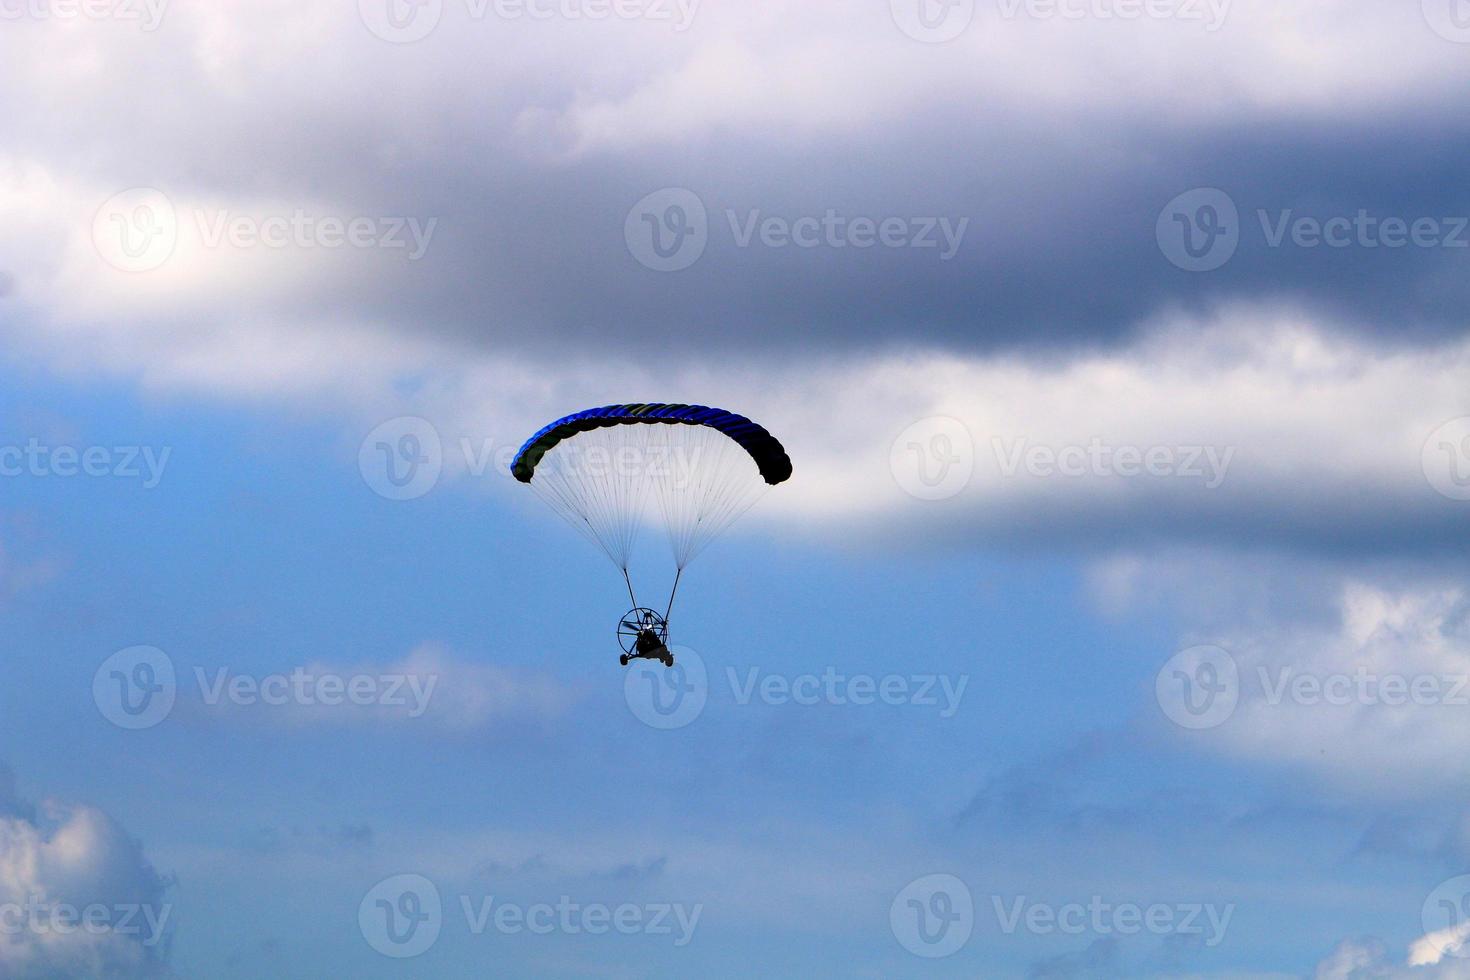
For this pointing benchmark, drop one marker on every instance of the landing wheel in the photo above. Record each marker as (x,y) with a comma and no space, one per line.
(668,659)
(623,660)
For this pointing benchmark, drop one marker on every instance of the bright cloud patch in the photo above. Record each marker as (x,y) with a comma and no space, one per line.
(77,897)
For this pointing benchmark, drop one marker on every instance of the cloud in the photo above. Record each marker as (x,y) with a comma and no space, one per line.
(1373,703)
(1267,430)
(59,864)
(1369,959)
(532,160)
(1434,947)
(1314,376)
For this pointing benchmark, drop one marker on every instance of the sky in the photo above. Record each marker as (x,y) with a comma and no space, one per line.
(1114,622)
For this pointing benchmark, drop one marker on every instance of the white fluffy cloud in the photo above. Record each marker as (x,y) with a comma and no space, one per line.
(78,899)
(1376,700)
(1370,959)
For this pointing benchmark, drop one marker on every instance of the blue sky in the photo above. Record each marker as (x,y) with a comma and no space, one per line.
(1112,624)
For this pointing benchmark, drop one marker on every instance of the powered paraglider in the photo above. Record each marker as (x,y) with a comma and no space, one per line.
(597,468)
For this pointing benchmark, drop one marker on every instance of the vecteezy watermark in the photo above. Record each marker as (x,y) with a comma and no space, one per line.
(328,689)
(304,230)
(934,458)
(932,21)
(834,230)
(1362,230)
(1100,917)
(135,688)
(668,231)
(673,697)
(1446,920)
(407,21)
(138,687)
(1200,230)
(673,919)
(679,14)
(40,916)
(667,698)
(139,230)
(403,916)
(35,459)
(1362,687)
(675,467)
(1097,459)
(933,916)
(1198,688)
(147,14)
(402,458)
(1210,13)
(1202,686)
(1446,459)
(939,691)
(1450,19)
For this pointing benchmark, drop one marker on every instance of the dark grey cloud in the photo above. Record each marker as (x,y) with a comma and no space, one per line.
(1061,197)
(1059,249)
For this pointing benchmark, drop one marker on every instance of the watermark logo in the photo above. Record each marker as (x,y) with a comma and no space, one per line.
(401,21)
(833,229)
(679,13)
(1446,919)
(1212,13)
(1363,688)
(40,916)
(135,688)
(1446,459)
(319,688)
(576,918)
(36,459)
(302,229)
(1450,19)
(1100,917)
(401,916)
(1207,464)
(932,21)
(1199,688)
(667,697)
(137,230)
(402,458)
(407,21)
(934,458)
(1199,230)
(148,14)
(1361,230)
(675,467)
(933,916)
(939,691)
(668,230)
